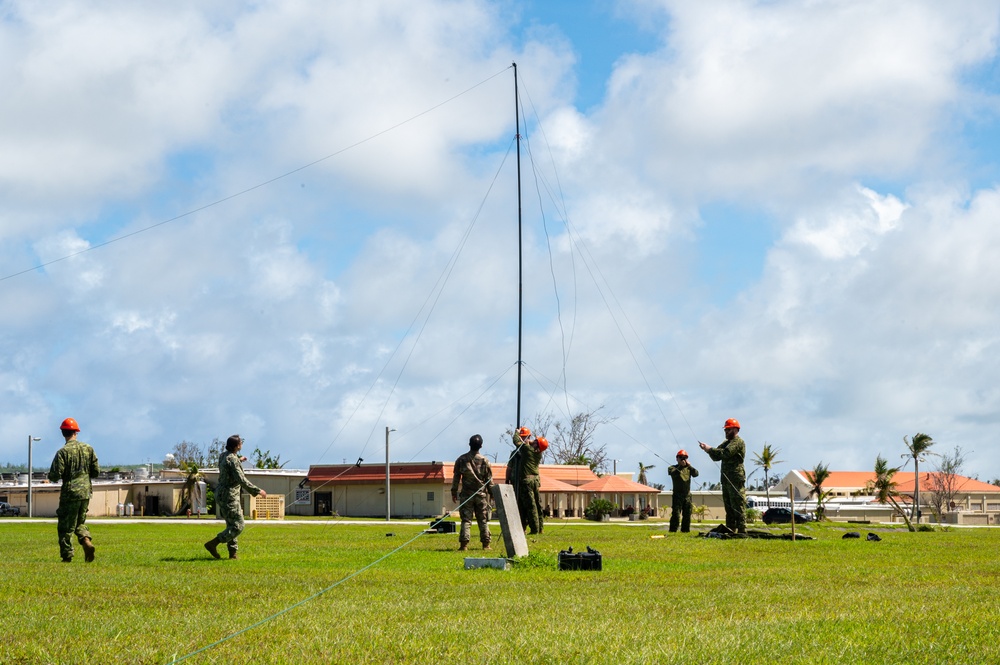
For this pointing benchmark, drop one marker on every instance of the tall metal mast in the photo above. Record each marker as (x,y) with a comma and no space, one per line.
(520,290)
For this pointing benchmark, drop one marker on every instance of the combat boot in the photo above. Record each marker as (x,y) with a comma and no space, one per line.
(211,545)
(232,552)
(462,547)
(88,549)
(486,547)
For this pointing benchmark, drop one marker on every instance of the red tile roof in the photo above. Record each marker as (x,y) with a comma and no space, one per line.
(551,485)
(904,481)
(574,474)
(554,477)
(845,479)
(366,474)
(609,483)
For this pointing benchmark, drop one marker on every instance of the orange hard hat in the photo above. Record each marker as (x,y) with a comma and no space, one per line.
(70,425)
(543,443)
(524,432)
(732,422)
(682,453)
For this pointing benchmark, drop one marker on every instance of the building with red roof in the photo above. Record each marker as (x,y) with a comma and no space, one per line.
(423,489)
(975,502)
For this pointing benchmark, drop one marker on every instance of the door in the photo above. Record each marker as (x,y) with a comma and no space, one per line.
(323,503)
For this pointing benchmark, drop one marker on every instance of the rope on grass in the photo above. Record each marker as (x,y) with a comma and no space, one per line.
(315,595)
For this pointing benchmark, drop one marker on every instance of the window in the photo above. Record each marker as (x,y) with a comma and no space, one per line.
(302,496)
(992,506)
(430,496)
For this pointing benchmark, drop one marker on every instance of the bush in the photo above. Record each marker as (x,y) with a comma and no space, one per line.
(598,508)
(752,515)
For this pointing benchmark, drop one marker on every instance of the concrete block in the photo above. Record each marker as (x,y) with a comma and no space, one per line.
(510,521)
(492,562)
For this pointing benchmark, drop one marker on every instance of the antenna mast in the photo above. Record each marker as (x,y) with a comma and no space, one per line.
(520,264)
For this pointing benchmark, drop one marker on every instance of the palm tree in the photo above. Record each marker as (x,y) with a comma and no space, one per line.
(917,446)
(642,472)
(582,460)
(816,478)
(884,488)
(766,459)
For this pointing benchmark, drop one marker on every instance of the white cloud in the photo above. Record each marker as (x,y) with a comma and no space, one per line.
(850,231)
(898,342)
(782,95)
(273,313)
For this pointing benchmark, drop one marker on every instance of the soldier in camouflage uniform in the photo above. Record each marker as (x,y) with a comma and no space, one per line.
(526,457)
(470,488)
(731,452)
(680,503)
(227,497)
(513,475)
(74,464)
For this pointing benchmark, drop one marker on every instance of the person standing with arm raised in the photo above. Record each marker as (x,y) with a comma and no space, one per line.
(680,501)
(731,453)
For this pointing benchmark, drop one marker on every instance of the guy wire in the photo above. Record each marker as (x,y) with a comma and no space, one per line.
(319,593)
(259,185)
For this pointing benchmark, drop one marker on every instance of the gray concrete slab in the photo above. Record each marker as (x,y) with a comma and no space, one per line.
(492,562)
(510,521)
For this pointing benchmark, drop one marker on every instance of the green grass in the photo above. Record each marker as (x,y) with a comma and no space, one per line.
(154,595)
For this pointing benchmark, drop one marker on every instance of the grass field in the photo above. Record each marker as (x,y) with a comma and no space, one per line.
(154,595)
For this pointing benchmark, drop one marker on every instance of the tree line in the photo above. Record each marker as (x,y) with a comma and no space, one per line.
(186,454)
(943,484)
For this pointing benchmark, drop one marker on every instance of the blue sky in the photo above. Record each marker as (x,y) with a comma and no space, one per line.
(774,211)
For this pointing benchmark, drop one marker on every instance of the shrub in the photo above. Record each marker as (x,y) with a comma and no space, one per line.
(598,508)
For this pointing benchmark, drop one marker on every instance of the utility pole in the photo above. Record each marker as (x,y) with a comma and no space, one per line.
(520,251)
(388,501)
(791,500)
(30,440)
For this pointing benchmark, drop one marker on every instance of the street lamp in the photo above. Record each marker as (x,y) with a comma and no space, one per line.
(30,440)
(615,472)
(388,503)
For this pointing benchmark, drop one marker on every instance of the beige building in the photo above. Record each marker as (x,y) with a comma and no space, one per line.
(423,489)
(285,483)
(975,502)
(141,495)
(112,496)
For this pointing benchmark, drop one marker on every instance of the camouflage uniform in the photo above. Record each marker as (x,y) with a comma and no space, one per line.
(680,506)
(513,474)
(227,498)
(473,478)
(529,502)
(74,464)
(731,452)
